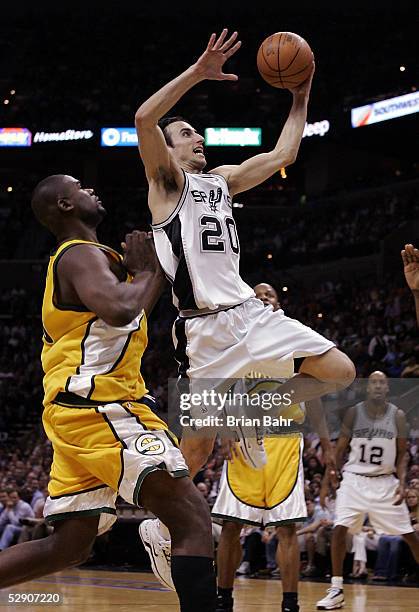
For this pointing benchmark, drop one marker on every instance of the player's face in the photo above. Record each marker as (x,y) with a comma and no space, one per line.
(267,294)
(188,145)
(86,203)
(377,387)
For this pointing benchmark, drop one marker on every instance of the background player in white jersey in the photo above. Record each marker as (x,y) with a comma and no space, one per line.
(271,496)
(223,332)
(376,432)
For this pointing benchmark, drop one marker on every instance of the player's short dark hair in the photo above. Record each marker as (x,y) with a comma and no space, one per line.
(164,123)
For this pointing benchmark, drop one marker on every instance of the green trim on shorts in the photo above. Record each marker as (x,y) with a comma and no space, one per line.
(301,519)
(234,519)
(65,515)
(154,468)
(179,473)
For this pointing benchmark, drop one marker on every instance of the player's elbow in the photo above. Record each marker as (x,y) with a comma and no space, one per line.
(119,317)
(288,158)
(143,118)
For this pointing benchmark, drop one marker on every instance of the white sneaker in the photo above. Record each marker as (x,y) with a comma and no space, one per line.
(244,568)
(159,551)
(333,600)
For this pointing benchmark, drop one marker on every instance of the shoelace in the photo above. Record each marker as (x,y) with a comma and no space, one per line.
(334,590)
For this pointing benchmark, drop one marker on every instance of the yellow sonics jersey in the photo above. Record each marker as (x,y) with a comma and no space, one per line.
(83,356)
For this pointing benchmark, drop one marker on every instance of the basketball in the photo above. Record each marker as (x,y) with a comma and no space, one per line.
(284,60)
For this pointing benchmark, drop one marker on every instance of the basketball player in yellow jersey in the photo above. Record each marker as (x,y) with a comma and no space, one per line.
(97,413)
(272,496)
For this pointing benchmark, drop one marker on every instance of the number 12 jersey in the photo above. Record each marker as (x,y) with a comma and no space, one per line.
(373,449)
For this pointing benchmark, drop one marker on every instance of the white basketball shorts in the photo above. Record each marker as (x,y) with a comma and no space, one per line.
(250,336)
(359,496)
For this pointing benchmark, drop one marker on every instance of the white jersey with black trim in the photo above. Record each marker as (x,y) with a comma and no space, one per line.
(373,448)
(199,249)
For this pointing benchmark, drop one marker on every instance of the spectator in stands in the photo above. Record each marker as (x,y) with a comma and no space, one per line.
(307,535)
(3,499)
(365,540)
(10,525)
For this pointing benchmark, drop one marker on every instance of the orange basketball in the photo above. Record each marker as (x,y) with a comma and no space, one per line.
(284,60)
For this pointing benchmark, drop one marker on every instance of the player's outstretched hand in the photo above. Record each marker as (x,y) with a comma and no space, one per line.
(410,257)
(304,88)
(140,253)
(218,51)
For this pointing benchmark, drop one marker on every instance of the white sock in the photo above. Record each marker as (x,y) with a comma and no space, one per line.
(164,532)
(337,582)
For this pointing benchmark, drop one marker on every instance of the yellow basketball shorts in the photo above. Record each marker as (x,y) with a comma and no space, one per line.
(102,451)
(273,495)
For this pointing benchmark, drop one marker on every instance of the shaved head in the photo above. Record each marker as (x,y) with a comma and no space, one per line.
(268,295)
(377,386)
(61,204)
(378,374)
(45,198)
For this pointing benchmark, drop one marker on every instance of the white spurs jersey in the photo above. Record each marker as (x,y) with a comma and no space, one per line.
(373,448)
(199,249)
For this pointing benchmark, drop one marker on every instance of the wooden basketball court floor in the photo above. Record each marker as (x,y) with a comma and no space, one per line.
(104,591)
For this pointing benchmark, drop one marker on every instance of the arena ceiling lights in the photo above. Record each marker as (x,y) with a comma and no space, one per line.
(385,110)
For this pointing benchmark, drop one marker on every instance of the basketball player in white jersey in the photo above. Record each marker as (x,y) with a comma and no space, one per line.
(222,331)
(410,257)
(373,478)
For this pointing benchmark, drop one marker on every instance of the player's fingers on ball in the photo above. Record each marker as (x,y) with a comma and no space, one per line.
(123,246)
(229,41)
(233,49)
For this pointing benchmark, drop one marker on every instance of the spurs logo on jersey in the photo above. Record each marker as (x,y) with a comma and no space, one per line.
(373,448)
(198,246)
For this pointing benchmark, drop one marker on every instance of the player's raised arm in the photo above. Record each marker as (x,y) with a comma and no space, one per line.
(259,168)
(153,149)
(410,257)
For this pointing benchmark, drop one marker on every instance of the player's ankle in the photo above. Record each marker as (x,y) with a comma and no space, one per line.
(337,582)
(290,602)
(225,593)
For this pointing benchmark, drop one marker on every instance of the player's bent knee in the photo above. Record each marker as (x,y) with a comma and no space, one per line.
(347,370)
